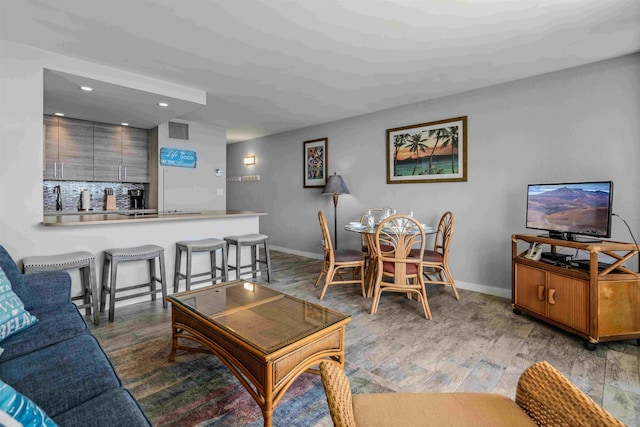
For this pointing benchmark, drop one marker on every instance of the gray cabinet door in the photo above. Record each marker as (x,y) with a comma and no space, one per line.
(75,149)
(68,149)
(135,155)
(107,152)
(50,147)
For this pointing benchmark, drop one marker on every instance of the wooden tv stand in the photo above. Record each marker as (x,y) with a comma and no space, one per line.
(598,305)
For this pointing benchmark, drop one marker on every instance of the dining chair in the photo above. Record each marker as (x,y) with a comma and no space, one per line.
(377,214)
(395,238)
(336,261)
(436,262)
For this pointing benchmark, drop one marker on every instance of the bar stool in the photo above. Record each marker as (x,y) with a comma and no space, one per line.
(204,245)
(252,240)
(85,262)
(112,257)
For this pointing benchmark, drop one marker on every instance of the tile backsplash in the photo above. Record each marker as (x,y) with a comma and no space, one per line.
(70,192)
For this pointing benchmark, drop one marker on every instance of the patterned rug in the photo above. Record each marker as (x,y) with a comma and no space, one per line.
(198,390)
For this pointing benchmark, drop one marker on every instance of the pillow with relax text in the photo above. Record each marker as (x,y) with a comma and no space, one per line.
(13,317)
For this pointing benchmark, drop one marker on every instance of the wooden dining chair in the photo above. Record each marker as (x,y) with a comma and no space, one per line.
(436,261)
(336,261)
(377,214)
(395,238)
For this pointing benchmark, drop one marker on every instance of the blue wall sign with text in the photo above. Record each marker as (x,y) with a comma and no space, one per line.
(178,158)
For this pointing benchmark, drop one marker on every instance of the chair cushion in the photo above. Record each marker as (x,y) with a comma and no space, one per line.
(13,317)
(432,256)
(390,267)
(438,409)
(348,255)
(16,407)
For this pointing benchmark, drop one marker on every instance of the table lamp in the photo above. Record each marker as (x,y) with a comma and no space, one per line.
(335,186)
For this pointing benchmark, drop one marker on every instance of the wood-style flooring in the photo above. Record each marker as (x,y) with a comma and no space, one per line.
(475,344)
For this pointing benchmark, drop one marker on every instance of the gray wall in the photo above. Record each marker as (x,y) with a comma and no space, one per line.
(572,125)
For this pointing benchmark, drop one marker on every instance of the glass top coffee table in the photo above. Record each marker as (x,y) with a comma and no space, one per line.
(266,338)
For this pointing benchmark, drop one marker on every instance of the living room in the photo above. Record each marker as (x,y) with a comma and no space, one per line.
(567,125)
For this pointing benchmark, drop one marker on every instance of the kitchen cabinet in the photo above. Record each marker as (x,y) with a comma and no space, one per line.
(68,149)
(135,155)
(599,304)
(121,154)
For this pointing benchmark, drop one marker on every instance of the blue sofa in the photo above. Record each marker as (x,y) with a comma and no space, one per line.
(56,362)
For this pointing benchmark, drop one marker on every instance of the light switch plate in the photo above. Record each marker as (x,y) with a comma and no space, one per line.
(220,192)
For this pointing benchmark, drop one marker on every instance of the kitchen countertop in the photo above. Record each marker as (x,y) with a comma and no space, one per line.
(124,217)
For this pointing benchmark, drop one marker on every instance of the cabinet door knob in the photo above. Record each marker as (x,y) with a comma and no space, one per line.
(552,292)
(540,292)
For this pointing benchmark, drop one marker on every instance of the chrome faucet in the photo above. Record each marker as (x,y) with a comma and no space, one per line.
(56,190)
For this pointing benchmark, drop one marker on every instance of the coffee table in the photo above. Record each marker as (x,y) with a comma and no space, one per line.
(266,338)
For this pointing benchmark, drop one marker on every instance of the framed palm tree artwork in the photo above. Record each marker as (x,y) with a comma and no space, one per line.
(315,162)
(428,152)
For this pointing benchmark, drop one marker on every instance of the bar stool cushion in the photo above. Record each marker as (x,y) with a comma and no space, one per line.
(56,262)
(13,316)
(247,239)
(202,244)
(135,252)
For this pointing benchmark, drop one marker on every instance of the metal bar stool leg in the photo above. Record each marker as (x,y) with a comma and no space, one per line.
(163,279)
(176,275)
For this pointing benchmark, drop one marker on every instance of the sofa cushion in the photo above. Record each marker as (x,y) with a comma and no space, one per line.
(438,409)
(13,317)
(62,376)
(16,407)
(57,323)
(115,408)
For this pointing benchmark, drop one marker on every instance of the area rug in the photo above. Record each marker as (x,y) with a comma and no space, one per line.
(198,390)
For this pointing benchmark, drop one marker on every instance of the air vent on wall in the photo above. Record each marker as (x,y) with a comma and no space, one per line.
(178,131)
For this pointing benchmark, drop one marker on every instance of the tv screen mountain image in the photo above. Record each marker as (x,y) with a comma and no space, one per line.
(582,208)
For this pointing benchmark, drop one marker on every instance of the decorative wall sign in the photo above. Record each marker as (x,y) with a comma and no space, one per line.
(178,158)
(428,152)
(315,163)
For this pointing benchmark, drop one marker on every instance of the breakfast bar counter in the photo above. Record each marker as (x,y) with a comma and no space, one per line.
(128,217)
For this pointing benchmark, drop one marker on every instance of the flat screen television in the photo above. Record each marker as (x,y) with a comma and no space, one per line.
(567,210)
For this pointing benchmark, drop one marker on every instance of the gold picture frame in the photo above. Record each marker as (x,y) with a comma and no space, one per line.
(428,152)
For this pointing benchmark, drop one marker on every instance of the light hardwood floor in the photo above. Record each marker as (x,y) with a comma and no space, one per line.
(475,344)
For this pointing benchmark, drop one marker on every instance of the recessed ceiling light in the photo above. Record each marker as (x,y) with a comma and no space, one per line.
(86,88)
(163,104)
(59,114)
(124,124)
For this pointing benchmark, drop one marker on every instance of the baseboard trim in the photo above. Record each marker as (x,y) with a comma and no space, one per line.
(475,287)
(484,289)
(295,252)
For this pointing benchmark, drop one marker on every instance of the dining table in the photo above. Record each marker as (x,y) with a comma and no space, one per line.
(369,232)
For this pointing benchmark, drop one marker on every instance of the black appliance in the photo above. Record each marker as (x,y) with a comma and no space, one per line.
(136,199)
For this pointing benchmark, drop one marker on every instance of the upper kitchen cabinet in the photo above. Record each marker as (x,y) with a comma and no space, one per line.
(68,149)
(135,154)
(121,154)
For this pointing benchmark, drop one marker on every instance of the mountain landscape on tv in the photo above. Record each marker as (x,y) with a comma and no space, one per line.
(569,209)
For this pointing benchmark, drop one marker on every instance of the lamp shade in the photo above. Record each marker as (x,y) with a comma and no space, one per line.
(335,185)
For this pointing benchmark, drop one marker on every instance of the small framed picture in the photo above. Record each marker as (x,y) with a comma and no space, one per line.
(315,162)
(428,152)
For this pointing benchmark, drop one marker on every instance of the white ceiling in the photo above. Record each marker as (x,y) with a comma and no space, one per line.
(268,66)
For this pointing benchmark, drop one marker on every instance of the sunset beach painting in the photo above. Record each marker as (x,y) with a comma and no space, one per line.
(428,152)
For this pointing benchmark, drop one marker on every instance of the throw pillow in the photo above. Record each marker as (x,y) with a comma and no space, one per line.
(13,317)
(18,410)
